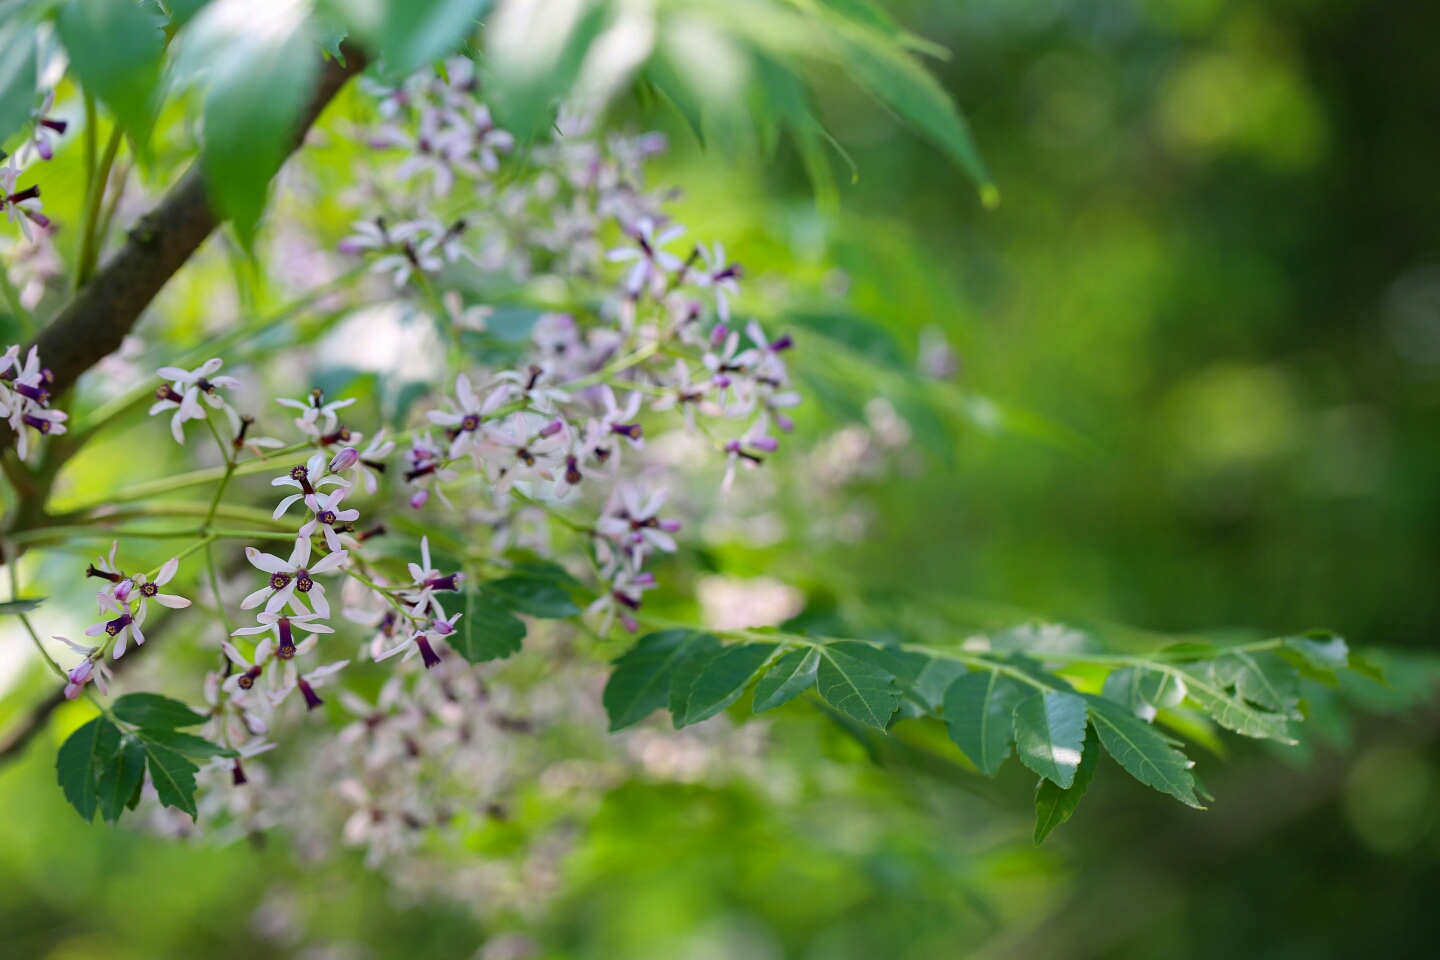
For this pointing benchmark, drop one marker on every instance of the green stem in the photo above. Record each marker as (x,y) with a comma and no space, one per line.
(94,195)
(215,585)
(609,370)
(59,670)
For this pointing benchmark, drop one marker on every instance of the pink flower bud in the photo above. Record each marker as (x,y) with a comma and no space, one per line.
(768,444)
(344,460)
(418,499)
(552,428)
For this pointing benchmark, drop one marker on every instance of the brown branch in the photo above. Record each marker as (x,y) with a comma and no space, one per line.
(94,323)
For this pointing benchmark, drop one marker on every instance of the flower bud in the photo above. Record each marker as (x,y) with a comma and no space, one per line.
(344,460)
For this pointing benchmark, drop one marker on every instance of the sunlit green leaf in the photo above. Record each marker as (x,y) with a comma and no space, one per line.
(980,715)
(1141,750)
(1323,651)
(410,33)
(792,675)
(1230,710)
(1261,677)
(1049,733)
(1055,804)
(17,75)
(935,678)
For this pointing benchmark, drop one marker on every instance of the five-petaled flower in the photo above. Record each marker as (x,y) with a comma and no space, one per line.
(327,513)
(186,391)
(293,580)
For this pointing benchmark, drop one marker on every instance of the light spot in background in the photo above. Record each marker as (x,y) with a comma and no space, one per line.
(387,339)
(1231,416)
(1350,452)
(1412,315)
(1387,796)
(732,603)
(1069,100)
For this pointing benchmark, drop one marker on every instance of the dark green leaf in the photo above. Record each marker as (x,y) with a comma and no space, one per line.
(1142,751)
(488,631)
(857,688)
(121,778)
(661,74)
(1358,663)
(699,652)
(791,676)
(1054,805)
(892,660)
(1188,650)
(15,607)
(82,759)
(640,684)
(259,82)
(155,711)
(17,83)
(1049,734)
(1323,651)
(116,49)
(185,744)
(536,596)
(724,679)
(1231,711)
(173,777)
(980,715)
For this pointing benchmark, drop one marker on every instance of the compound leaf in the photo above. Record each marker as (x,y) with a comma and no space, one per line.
(640,684)
(1055,804)
(1050,733)
(1142,751)
(857,688)
(980,715)
(82,758)
(155,712)
(173,776)
(724,678)
(791,676)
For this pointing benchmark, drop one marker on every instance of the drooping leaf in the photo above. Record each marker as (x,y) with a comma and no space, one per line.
(894,78)
(120,778)
(724,678)
(185,744)
(487,631)
(16,607)
(857,688)
(661,74)
(173,777)
(1323,651)
(640,684)
(17,79)
(1141,750)
(980,715)
(155,711)
(1054,804)
(537,596)
(81,760)
(791,676)
(699,652)
(1366,668)
(260,76)
(1049,734)
(116,49)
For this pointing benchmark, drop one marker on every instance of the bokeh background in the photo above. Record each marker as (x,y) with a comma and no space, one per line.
(1214,278)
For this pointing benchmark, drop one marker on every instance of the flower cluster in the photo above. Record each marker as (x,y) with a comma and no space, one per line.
(25,398)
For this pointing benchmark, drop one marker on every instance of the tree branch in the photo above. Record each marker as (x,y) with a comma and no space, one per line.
(94,323)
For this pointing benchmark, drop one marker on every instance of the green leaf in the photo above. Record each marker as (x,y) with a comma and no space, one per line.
(17,83)
(82,759)
(724,678)
(121,778)
(488,631)
(1142,691)
(116,49)
(16,607)
(155,711)
(894,78)
(640,684)
(1142,751)
(701,649)
(411,33)
(980,715)
(1262,677)
(935,678)
(791,676)
(1366,668)
(900,663)
(537,596)
(327,31)
(1232,712)
(185,744)
(857,688)
(660,73)
(1049,734)
(173,776)
(861,335)
(536,59)
(260,80)
(182,11)
(1053,804)
(1321,650)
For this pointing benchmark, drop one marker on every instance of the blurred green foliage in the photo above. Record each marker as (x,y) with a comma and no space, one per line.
(1213,277)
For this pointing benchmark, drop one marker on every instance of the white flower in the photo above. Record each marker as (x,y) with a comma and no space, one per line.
(466,318)
(306,478)
(621,598)
(472,411)
(372,461)
(122,627)
(22,206)
(427,580)
(185,393)
(634,524)
(326,515)
(718,276)
(150,590)
(251,669)
(283,627)
(313,410)
(44,129)
(90,668)
(287,578)
(653,265)
(512,453)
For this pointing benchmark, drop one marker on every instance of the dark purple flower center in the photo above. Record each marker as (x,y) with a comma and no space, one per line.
(470,423)
(340,435)
(301,475)
(167,392)
(303,583)
(312,699)
(57,125)
(247,679)
(286,650)
(278,581)
(118,624)
(38,394)
(93,571)
(29,193)
(37,422)
(326,517)
(237,774)
(149,589)
(572,471)
(444,583)
(632,430)
(427,652)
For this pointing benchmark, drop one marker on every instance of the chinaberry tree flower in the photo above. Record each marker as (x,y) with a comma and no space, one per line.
(20,206)
(463,424)
(283,626)
(514,451)
(307,478)
(633,523)
(327,513)
(718,276)
(44,128)
(292,581)
(146,590)
(653,264)
(123,626)
(314,410)
(370,462)
(307,682)
(622,597)
(426,582)
(91,667)
(188,388)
